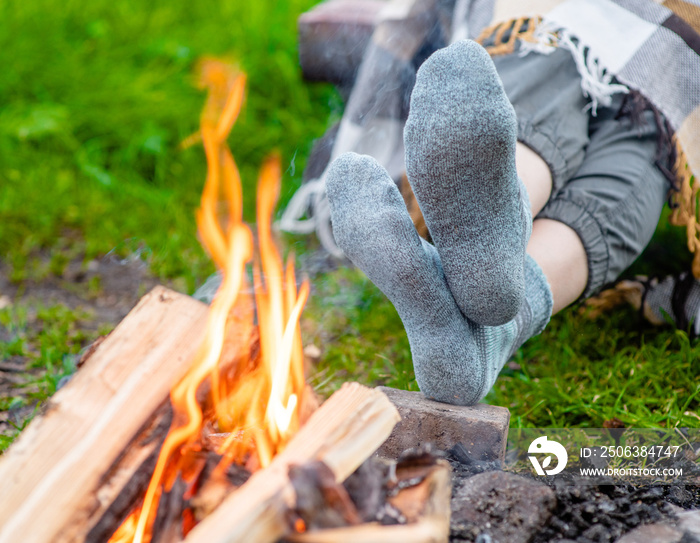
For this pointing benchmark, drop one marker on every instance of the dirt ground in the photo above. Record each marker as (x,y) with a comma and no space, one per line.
(121,283)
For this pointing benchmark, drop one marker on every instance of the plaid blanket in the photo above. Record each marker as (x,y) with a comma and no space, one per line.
(650,46)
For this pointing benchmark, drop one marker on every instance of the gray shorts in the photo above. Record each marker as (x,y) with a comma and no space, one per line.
(606,185)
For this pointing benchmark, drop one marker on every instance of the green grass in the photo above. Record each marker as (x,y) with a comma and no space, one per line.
(96,97)
(49,338)
(582,373)
(359,332)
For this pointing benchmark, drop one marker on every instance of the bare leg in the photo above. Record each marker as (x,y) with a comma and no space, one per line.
(556,247)
(535,175)
(559,252)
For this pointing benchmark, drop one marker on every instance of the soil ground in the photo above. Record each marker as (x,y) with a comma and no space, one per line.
(599,513)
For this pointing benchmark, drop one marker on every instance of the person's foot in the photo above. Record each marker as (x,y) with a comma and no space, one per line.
(460,158)
(455,360)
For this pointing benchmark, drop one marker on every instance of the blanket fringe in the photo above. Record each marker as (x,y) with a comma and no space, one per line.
(596,82)
(624,292)
(685,205)
(537,35)
(500,39)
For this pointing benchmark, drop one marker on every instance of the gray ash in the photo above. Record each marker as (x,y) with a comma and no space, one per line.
(583,513)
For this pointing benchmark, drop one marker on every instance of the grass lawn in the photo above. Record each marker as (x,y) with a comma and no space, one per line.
(96,97)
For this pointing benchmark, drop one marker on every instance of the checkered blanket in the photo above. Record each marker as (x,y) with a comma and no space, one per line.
(651,46)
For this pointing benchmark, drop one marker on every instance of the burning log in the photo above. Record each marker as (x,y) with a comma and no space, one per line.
(74,459)
(76,471)
(342,433)
(411,503)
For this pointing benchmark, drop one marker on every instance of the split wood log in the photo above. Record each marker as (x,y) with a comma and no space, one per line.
(342,433)
(426,507)
(53,476)
(124,483)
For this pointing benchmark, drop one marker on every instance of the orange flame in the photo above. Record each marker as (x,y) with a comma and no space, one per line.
(260,407)
(125,533)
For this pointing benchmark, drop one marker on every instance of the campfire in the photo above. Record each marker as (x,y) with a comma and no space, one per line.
(254,370)
(195,423)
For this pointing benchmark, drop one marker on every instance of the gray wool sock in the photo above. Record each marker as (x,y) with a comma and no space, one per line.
(455,360)
(460,160)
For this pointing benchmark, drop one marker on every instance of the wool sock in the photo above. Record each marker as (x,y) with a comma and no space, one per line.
(460,160)
(455,360)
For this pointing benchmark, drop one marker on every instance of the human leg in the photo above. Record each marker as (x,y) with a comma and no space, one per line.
(535,175)
(555,246)
(607,212)
(559,251)
(456,360)
(602,219)
(614,201)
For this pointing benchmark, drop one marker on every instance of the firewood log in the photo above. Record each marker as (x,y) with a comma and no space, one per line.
(62,469)
(342,433)
(426,507)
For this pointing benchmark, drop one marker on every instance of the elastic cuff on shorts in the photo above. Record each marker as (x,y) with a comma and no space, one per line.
(592,237)
(541,144)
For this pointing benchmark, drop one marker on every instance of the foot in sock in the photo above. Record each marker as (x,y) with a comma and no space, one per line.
(460,159)
(455,360)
